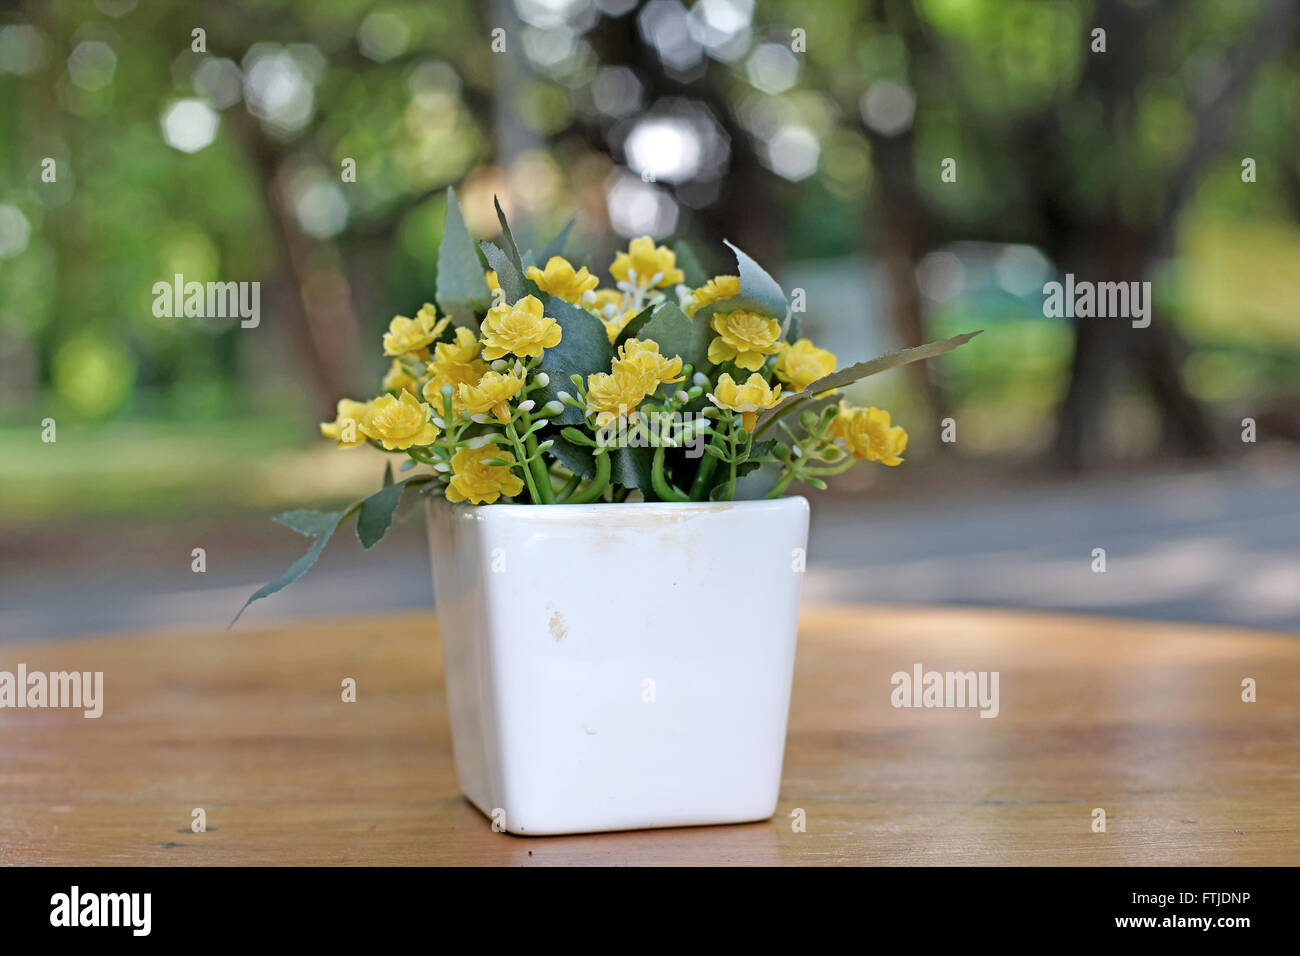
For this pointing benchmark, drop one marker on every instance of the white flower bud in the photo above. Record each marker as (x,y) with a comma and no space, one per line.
(589,297)
(552,408)
(542,379)
(681,396)
(657,278)
(479,419)
(527,406)
(700,379)
(479,442)
(564,397)
(439,422)
(499,365)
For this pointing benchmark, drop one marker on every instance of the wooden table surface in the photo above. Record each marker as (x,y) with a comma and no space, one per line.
(1141,719)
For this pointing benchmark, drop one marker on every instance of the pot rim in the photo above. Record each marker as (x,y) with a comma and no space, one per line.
(646,508)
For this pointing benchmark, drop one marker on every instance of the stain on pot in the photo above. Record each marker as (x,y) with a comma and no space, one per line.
(557,625)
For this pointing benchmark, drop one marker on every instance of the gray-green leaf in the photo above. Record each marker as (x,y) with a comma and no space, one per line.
(461,286)
(853,373)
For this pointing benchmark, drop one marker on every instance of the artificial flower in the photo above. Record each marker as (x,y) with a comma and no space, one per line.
(490,394)
(607,302)
(716,289)
(520,329)
(454,363)
(646,265)
(412,336)
(801,364)
(560,279)
(346,427)
(399,423)
(746,338)
(614,326)
(398,379)
(867,433)
(748,399)
(611,395)
(642,358)
(480,484)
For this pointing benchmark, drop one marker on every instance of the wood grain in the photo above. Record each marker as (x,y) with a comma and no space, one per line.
(1144,720)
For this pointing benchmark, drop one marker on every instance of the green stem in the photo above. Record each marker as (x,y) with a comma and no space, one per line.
(596,486)
(663,487)
(541,474)
(731,460)
(700,486)
(520,455)
(781,485)
(568,489)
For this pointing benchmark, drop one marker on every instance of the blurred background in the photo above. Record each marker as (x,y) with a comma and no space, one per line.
(215,140)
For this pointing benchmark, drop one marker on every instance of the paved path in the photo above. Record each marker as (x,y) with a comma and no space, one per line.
(1221,547)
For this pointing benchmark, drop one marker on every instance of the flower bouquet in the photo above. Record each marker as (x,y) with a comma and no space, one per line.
(625,659)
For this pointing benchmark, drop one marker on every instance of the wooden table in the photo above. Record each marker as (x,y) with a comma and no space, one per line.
(1143,720)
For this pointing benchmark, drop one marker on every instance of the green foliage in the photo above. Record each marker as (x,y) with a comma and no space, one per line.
(462,289)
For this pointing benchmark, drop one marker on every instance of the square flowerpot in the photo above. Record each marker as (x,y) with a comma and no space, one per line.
(619,666)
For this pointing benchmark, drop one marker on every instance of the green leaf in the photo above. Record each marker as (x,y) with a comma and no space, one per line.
(759,287)
(461,286)
(510,278)
(388,474)
(678,335)
(757,482)
(556,246)
(510,247)
(634,325)
(853,373)
(323,525)
(377,514)
(629,467)
(583,350)
(310,523)
(689,263)
(759,449)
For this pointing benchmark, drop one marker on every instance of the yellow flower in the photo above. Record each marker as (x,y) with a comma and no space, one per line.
(616,325)
(608,301)
(642,358)
(744,337)
(398,378)
(611,395)
(491,394)
(346,427)
(719,287)
(803,363)
(867,433)
(520,329)
(653,265)
(400,423)
(412,336)
(559,278)
(748,399)
(455,364)
(481,484)
(493,283)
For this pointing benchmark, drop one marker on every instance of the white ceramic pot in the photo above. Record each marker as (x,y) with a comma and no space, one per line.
(618,666)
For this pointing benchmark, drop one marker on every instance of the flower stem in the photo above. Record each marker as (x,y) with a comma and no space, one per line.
(596,487)
(663,487)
